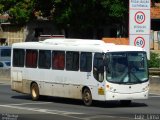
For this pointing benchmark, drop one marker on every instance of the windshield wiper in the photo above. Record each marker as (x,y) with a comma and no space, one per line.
(138,80)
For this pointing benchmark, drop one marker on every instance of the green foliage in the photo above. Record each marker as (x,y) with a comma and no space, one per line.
(154,61)
(22,11)
(1,8)
(46,7)
(88,15)
(117,9)
(79,15)
(19,11)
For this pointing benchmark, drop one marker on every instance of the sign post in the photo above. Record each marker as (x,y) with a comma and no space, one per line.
(139,24)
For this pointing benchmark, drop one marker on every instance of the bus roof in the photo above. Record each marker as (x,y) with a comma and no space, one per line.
(76,45)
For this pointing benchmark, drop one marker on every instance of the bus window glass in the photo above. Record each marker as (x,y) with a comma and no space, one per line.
(18,57)
(86,62)
(138,66)
(58,60)
(120,67)
(72,61)
(44,60)
(127,67)
(31,58)
(98,66)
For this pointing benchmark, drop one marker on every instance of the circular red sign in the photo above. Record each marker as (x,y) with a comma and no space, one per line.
(139,17)
(140,42)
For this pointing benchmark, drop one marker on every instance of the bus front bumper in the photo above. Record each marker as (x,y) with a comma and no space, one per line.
(126,96)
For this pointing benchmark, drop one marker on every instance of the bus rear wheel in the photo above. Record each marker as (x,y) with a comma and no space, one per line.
(34,91)
(87,97)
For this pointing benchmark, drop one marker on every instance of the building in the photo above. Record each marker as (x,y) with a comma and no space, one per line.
(155,27)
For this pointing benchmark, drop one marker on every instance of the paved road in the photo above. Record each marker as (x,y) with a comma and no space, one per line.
(16,106)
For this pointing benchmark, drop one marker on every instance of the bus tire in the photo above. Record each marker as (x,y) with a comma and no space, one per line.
(87,97)
(125,102)
(34,91)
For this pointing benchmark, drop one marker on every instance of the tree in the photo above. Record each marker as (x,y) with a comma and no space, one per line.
(22,11)
(19,11)
(44,9)
(85,16)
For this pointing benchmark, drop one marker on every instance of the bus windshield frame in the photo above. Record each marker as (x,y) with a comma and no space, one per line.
(126,67)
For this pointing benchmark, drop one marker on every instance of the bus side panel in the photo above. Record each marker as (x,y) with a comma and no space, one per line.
(61,83)
(75,91)
(72,91)
(16,86)
(61,90)
(26,86)
(98,93)
(16,81)
(21,86)
(46,88)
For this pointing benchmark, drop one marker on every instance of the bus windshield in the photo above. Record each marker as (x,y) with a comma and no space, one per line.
(126,67)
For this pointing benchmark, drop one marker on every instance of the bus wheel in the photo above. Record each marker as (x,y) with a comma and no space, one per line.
(125,102)
(34,91)
(87,97)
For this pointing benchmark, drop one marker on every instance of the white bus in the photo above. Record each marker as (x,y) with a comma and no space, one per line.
(80,69)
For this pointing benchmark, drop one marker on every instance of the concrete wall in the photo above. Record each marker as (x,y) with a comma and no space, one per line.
(155,85)
(5,74)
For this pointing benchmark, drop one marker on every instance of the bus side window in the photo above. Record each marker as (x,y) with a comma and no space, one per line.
(18,57)
(58,60)
(86,62)
(98,67)
(31,58)
(72,61)
(44,60)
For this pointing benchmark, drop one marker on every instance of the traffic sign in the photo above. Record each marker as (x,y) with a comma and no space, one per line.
(139,17)
(139,41)
(139,4)
(139,24)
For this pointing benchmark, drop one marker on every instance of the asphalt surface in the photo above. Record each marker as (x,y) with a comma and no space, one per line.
(17,106)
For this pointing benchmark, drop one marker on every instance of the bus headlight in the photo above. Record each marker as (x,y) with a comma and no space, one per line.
(110,88)
(145,88)
(107,86)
